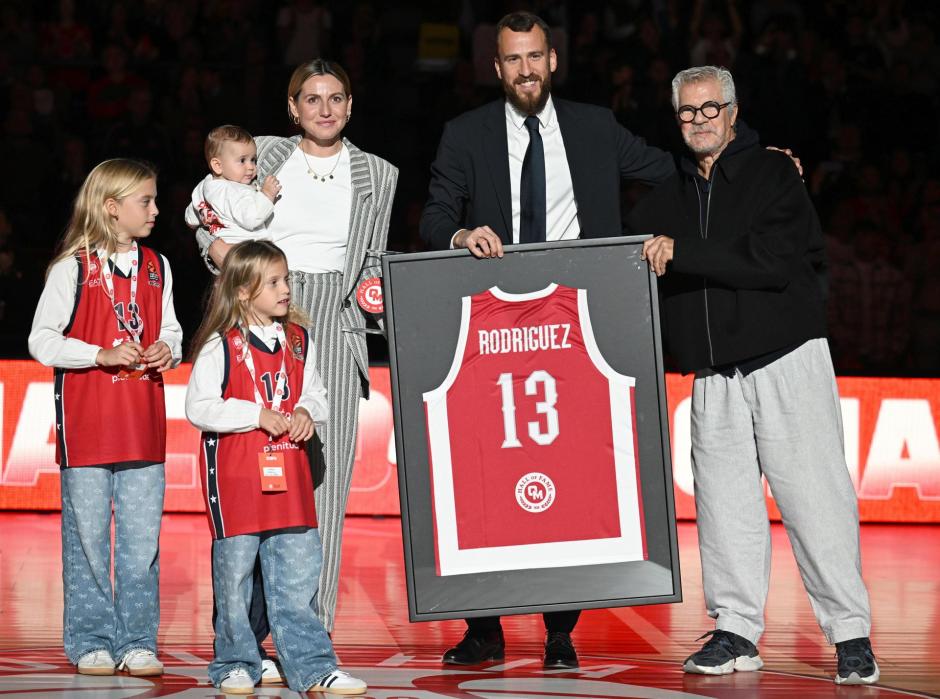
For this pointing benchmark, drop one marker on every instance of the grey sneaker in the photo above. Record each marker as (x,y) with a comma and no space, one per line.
(723,653)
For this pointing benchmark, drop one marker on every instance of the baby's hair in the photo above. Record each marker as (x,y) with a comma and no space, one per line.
(90,226)
(222,134)
(242,269)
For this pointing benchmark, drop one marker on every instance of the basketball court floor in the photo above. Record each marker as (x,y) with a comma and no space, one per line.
(626,652)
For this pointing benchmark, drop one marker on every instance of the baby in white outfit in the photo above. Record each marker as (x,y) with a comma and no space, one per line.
(227,202)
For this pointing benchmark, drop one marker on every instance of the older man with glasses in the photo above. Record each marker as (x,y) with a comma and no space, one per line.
(743,287)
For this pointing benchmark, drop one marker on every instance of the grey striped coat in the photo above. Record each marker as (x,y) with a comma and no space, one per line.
(338,338)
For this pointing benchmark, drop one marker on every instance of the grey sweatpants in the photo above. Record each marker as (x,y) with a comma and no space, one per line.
(782,421)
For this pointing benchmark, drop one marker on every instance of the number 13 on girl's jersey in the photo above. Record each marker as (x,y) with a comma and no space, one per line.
(531,441)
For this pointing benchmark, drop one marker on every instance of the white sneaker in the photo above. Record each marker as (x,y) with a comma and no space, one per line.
(238,681)
(141,662)
(97,662)
(339,682)
(269,672)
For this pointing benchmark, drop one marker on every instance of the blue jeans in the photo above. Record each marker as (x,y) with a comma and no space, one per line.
(95,617)
(290,565)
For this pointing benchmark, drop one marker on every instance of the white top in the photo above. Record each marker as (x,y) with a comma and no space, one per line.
(561,209)
(206,409)
(241,209)
(311,219)
(49,346)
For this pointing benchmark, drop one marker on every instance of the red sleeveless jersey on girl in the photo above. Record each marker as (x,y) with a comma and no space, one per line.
(531,440)
(103,414)
(231,480)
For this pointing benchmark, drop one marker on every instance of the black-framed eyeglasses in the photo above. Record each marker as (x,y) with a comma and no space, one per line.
(709,110)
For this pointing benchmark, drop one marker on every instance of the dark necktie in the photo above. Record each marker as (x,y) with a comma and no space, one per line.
(532,191)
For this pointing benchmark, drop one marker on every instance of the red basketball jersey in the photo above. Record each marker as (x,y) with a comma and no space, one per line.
(531,439)
(104,415)
(231,479)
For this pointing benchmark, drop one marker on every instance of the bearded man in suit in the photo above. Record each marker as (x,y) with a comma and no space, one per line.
(530,168)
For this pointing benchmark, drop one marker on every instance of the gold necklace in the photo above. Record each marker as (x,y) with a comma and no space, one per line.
(313,173)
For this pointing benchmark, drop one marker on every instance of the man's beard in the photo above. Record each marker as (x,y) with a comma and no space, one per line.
(529,104)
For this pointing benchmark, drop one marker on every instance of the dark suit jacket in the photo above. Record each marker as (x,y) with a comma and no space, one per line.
(470,175)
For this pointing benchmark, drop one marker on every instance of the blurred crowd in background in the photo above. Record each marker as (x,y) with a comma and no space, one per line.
(849,86)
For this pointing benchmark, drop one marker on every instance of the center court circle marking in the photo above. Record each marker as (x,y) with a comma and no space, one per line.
(46,673)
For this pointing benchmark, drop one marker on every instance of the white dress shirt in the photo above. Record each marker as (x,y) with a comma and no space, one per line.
(561,209)
(49,346)
(311,218)
(209,412)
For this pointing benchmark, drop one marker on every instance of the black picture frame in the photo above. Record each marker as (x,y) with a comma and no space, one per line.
(423,299)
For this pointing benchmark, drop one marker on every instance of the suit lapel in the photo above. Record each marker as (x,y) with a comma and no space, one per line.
(578,166)
(496,149)
(360,217)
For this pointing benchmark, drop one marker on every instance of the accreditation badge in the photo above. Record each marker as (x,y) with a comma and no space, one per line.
(273,475)
(132,372)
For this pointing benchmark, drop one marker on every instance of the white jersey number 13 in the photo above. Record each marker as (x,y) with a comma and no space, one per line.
(544,407)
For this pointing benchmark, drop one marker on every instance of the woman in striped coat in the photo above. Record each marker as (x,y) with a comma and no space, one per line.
(333,209)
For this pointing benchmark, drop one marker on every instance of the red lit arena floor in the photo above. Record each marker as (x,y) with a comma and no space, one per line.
(627,652)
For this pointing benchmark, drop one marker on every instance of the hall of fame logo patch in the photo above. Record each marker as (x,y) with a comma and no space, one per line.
(535,492)
(369,295)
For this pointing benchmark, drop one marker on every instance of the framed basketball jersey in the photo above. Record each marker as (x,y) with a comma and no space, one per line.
(530,429)
(548,415)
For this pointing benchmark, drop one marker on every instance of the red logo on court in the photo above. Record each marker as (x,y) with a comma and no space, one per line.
(369,295)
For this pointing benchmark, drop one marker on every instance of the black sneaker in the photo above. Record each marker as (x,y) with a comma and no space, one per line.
(474,649)
(723,653)
(856,662)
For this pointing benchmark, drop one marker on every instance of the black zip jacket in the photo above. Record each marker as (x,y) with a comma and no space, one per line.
(748,274)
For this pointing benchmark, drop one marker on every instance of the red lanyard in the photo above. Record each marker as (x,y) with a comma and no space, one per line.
(281,384)
(109,290)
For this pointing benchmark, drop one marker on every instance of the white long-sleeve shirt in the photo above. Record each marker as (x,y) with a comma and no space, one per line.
(49,346)
(242,212)
(209,412)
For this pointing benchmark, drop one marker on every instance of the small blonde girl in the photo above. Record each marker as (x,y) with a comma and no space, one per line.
(106,323)
(256,395)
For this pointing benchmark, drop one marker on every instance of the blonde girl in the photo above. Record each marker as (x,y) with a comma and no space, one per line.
(257,397)
(106,324)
